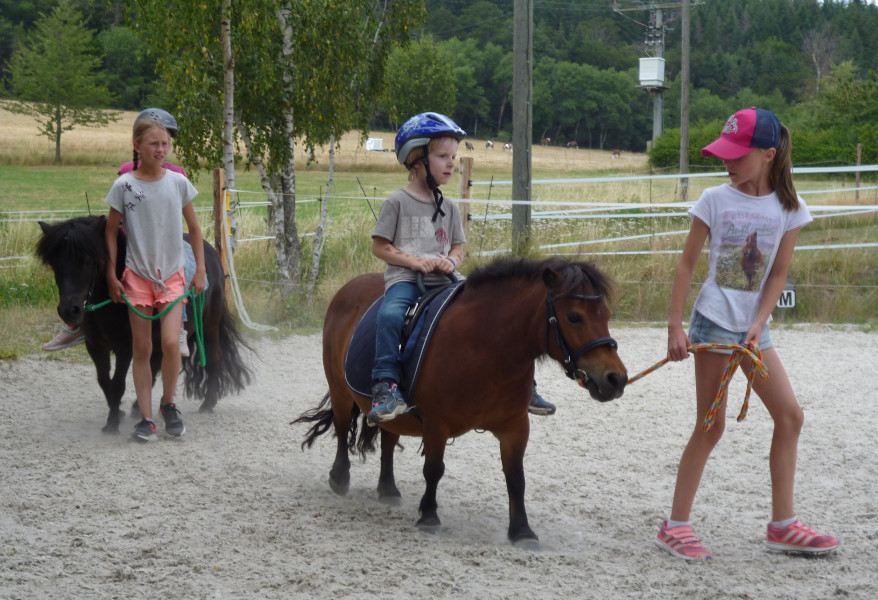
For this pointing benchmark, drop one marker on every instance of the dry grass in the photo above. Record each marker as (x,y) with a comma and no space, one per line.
(22,145)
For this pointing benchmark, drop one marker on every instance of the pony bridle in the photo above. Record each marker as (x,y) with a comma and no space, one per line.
(570,357)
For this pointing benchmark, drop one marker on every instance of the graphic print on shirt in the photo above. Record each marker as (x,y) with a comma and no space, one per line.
(746,243)
(139,195)
(420,233)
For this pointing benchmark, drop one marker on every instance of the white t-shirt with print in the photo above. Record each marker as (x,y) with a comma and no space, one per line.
(745,234)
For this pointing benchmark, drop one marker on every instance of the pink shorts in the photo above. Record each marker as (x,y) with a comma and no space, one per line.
(143,292)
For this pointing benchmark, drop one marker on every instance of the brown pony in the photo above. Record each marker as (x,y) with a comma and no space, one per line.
(477,373)
(751,258)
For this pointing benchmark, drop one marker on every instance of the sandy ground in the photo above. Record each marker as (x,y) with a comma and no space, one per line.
(236,510)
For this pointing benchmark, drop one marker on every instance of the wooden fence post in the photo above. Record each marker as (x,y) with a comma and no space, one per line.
(220,227)
(465,174)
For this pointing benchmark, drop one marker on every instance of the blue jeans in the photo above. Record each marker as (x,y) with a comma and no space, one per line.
(388,329)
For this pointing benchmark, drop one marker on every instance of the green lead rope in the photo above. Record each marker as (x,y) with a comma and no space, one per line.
(198,310)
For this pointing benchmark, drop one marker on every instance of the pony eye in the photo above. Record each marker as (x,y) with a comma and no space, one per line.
(574,318)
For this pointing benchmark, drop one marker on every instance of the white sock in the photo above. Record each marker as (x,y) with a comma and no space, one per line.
(672,523)
(784,523)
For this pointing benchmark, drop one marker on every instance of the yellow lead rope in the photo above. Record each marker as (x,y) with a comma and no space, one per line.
(739,352)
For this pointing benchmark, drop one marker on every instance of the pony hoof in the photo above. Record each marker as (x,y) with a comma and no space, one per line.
(529,544)
(431,529)
(110,429)
(205,409)
(339,488)
(390,500)
(429,524)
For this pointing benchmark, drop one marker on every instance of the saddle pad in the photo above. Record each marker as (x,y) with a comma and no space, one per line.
(361,352)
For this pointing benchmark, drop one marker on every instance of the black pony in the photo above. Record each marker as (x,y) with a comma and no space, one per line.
(77,253)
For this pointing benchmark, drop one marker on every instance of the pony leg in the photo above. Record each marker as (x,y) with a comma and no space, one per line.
(113,388)
(434,469)
(388,493)
(340,473)
(512,447)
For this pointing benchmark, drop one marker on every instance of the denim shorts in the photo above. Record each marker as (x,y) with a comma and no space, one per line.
(704,331)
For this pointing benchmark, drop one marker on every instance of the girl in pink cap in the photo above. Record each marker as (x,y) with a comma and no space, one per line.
(752,224)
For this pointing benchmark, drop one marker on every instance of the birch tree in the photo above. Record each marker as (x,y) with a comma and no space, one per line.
(303,71)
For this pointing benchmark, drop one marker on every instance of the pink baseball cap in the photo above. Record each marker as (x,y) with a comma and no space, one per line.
(746,129)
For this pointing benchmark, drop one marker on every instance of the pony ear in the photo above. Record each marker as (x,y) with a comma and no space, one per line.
(101,224)
(549,276)
(44,226)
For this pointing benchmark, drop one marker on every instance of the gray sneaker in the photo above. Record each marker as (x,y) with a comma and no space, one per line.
(387,404)
(145,432)
(538,404)
(173,423)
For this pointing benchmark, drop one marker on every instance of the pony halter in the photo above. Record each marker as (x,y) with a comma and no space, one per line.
(570,357)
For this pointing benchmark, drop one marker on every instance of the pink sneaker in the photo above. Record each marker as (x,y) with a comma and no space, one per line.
(795,537)
(681,542)
(67,337)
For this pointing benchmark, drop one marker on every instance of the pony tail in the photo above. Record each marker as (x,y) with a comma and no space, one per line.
(780,176)
(135,161)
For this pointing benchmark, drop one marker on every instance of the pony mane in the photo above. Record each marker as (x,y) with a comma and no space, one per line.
(75,238)
(573,275)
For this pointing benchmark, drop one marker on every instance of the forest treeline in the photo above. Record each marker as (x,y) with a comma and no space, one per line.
(814,63)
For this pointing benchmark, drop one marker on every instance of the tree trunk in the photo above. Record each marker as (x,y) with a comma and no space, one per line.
(502,110)
(276,211)
(229,116)
(321,223)
(57,135)
(289,260)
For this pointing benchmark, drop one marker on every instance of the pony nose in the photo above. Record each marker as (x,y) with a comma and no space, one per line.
(617,382)
(71,312)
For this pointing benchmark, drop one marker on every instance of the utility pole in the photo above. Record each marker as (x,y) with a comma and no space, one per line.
(522,121)
(684,101)
(655,43)
(652,68)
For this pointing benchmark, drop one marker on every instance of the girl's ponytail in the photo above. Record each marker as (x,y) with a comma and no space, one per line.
(780,176)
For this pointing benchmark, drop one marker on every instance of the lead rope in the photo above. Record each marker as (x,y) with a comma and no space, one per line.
(740,351)
(197,310)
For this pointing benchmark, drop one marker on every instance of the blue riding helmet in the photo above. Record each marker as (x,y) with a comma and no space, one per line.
(420,129)
(164,118)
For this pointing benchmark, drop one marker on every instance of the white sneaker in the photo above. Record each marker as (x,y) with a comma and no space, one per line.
(184,345)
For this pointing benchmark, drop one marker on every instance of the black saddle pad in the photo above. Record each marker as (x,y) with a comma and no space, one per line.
(361,352)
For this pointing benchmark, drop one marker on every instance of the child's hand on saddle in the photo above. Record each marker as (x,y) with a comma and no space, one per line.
(444,265)
(424,265)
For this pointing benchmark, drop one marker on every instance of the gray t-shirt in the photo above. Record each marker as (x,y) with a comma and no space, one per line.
(152,215)
(407,223)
